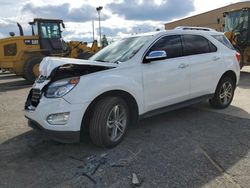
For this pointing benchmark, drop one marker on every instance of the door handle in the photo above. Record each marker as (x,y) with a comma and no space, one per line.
(183,66)
(215,58)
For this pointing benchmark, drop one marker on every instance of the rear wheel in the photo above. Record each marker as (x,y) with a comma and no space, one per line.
(109,122)
(224,93)
(31,69)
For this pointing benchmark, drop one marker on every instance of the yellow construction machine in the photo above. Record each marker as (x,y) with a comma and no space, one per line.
(23,54)
(237,30)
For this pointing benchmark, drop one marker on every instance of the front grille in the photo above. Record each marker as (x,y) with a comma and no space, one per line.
(35,96)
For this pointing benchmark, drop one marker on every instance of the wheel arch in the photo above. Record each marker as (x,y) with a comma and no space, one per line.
(230,74)
(215,101)
(129,98)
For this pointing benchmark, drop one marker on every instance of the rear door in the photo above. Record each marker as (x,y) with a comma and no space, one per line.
(204,61)
(166,81)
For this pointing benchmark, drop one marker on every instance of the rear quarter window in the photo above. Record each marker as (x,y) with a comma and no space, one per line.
(223,39)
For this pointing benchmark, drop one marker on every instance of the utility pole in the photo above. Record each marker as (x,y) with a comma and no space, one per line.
(98,9)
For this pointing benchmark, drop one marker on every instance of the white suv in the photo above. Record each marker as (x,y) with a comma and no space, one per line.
(132,78)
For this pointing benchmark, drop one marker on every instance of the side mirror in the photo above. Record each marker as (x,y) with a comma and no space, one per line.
(12,34)
(155,55)
(63,25)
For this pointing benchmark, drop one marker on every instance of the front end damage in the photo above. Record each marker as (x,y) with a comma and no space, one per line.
(53,69)
(51,112)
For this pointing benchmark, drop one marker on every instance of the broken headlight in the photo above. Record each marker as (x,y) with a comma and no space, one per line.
(61,87)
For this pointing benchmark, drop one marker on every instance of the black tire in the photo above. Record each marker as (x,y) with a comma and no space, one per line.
(28,68)
(84,55)
(99,129)
(218,101)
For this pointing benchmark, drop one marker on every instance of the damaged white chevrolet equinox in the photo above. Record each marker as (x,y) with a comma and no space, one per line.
(132,78)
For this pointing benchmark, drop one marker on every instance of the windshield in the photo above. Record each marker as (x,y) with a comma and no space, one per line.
(50,30)
(121,50)
(35,29)
(236,21)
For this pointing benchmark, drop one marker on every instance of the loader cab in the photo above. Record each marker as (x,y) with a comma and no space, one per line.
(50,35)
(237,22)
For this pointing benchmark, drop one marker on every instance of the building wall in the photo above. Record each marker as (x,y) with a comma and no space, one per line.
(213,19)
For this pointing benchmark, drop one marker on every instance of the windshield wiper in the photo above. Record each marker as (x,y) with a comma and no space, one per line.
(117,62)
(100,60)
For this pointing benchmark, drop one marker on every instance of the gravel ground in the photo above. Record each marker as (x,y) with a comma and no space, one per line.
(190,147)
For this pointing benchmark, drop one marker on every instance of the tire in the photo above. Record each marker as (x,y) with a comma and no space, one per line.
(104,124)
(224,93)
(84,55)
(28,68)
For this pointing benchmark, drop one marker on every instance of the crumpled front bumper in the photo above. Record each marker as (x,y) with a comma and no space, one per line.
(68,132)
(61,136)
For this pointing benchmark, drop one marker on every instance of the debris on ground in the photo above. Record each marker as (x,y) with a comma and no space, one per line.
(126,161)
(91,165)
(135,180)
(120,163)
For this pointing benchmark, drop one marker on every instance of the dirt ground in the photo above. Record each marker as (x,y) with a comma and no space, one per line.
(191,147)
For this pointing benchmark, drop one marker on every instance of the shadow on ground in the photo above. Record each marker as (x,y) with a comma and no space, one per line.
(183,148)
(14,85)
(231,110)
(244,80)
(8,76)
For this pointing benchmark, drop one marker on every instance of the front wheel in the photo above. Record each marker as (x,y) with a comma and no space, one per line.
(224,93)
(109,122)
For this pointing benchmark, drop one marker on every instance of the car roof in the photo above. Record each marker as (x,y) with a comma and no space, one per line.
(179,31)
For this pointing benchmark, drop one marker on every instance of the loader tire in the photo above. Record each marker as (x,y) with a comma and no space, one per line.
(31,69)
(84,55)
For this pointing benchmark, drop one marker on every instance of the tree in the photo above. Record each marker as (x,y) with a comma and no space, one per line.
(104,41)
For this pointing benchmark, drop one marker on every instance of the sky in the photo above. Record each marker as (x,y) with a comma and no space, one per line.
(118,17)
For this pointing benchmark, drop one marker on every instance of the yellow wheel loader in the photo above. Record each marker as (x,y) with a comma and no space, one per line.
(23,54)
(237,30)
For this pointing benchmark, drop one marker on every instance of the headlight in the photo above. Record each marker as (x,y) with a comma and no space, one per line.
(61,87)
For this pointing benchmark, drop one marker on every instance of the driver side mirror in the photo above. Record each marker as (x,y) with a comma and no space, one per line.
(155,55)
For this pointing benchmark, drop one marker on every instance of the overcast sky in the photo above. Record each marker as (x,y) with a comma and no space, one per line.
(119,17)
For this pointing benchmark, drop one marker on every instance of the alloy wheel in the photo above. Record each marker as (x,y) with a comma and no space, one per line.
(226,93)
(116,122)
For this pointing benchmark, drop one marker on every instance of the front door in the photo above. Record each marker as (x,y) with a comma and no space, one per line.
(166,81)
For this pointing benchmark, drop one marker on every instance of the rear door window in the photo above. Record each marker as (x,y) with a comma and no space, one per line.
(195,44)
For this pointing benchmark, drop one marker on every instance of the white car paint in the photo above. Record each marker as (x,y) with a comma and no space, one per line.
(153,85)
(161,85)
(48,64)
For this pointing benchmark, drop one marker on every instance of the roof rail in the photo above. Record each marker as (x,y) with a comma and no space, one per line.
(194,28)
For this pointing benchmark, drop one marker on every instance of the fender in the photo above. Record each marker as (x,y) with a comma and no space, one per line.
(95,84)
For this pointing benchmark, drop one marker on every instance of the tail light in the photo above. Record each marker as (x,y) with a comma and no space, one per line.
(238,56)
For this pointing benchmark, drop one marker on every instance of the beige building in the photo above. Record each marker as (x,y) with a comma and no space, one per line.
(213,19)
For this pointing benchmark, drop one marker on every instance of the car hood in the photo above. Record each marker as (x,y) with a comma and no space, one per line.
(48,64)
